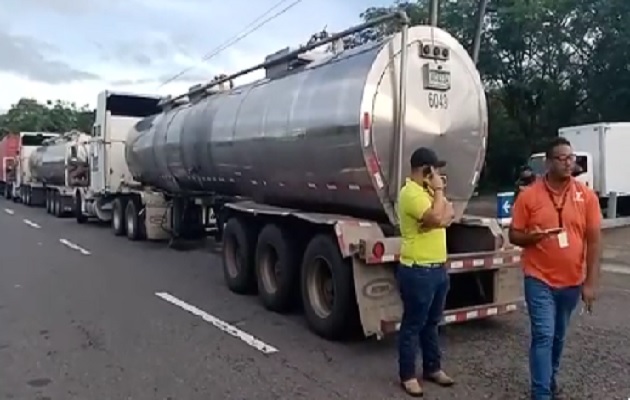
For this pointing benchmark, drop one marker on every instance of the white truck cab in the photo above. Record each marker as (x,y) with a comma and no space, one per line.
(602,155)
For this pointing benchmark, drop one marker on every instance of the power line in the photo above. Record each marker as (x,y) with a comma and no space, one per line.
(238,37)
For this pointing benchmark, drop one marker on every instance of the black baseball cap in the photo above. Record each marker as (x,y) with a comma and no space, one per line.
(425,157)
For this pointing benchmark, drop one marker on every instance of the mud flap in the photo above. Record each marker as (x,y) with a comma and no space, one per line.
(157,216)
(377,295)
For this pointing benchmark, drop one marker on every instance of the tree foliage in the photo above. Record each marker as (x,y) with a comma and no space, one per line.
(28,115)
(545,64)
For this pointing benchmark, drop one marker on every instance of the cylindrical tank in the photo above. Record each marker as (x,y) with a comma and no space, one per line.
(49,162)
(322,138)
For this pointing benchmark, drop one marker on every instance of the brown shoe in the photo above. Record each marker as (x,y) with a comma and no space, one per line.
(440,378)
(412,387)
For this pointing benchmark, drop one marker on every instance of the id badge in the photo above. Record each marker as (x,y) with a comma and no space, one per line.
(563,240)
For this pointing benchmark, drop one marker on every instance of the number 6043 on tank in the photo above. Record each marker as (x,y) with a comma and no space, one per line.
(437,81)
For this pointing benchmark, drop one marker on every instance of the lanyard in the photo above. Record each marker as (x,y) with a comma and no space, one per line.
(559,207)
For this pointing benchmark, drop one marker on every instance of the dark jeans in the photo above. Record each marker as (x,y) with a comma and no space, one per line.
(549,313)
(423,292)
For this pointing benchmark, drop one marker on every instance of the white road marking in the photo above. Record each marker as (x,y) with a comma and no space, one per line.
(31,223)
(74,247)
(9,211)
(222,325)
(616,268)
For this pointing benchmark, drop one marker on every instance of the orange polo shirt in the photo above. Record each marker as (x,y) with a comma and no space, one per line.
(547,260)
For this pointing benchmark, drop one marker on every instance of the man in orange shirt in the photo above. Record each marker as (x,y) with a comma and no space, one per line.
(557,222)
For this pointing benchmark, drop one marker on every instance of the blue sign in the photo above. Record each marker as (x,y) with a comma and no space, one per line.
(505,201)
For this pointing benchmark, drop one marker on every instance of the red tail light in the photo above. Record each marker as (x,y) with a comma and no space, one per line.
(378,250)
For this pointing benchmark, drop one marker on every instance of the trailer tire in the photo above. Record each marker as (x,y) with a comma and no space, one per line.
(134,225)
(57,211)
(277,269)
(118,216)
(327,287)
(238,257)
(78,213)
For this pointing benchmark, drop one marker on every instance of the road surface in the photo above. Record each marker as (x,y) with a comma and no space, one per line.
(88,316)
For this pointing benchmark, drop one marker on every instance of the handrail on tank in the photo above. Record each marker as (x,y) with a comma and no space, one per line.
(400,15)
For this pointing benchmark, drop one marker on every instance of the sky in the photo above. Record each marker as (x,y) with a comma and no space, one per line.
(73,49)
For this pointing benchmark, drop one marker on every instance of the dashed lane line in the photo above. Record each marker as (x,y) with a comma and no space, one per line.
(31,223)
(220,324)
(74,246)
(9,211)
(616,268)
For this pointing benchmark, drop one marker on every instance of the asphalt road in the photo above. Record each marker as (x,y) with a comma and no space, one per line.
(88,316)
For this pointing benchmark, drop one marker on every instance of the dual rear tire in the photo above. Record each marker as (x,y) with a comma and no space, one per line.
(271,261)
(54,204)
(126,219)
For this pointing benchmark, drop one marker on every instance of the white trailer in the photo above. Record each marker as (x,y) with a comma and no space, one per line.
(601,154)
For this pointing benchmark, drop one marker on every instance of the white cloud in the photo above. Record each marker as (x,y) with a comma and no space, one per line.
(135,45)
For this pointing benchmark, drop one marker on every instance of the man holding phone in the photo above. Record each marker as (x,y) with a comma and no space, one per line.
(557,222)
(423,280)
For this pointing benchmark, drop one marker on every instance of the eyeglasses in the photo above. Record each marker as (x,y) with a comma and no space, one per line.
(569,158)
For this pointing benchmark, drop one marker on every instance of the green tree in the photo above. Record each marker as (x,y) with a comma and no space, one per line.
(53,116)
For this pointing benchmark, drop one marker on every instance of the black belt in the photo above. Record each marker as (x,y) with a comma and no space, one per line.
(425,265)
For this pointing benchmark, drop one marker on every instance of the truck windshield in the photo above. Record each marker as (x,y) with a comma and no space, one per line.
(34,140)
(122,105)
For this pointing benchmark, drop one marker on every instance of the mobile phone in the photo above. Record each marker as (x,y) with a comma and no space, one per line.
(553,230)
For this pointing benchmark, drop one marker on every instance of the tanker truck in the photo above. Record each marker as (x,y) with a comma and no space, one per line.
(24,189)
(57,167)
(297,174)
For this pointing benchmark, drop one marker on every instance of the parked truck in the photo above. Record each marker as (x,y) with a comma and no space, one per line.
(601,158)
(297,174)
(9,149)
(21,188)
(58,167)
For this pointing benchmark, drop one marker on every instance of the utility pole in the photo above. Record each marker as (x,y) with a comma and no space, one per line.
(481,13)
(434,6)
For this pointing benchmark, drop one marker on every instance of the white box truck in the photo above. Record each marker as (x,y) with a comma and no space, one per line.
(601,151)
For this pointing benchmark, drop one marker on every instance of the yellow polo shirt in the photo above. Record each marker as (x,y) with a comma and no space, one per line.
(419,246)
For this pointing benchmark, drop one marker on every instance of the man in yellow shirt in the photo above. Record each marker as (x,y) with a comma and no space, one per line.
(423,281)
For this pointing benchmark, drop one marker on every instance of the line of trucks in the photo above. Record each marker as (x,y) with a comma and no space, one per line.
(296,174)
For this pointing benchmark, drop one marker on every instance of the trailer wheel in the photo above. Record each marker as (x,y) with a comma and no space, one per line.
(47,198)
(78,213)
(277,269)
(328,289)
(118,216)
(238,257)
(57,211)
(134,224)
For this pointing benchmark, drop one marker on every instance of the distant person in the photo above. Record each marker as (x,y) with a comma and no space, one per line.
(526,177)
(557,222)
(422,277)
